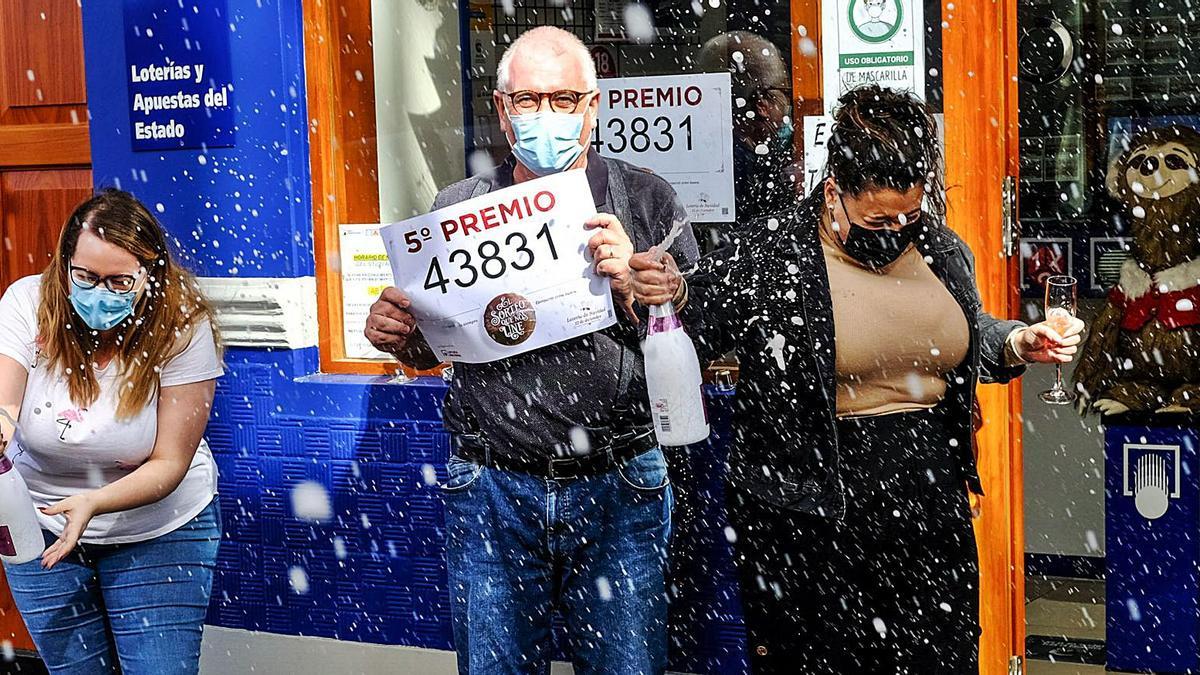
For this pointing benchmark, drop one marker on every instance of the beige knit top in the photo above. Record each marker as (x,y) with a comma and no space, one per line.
(898,332)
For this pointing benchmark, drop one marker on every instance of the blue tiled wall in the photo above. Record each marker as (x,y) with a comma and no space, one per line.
(369,443)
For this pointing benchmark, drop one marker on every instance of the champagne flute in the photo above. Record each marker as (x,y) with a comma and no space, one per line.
(1060,309)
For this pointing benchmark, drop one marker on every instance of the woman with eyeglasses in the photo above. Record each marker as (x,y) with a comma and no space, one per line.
(860,338)
(108,362)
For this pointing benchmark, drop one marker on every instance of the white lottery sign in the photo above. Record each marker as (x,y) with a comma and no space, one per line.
(678,126)
(503,273)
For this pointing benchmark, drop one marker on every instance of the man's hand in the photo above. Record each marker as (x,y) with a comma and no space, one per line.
(611,249)
(655,281)
(390,324)
(79,510)
(1041,343)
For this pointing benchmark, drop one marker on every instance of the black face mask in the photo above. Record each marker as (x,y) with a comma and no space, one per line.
(875,249)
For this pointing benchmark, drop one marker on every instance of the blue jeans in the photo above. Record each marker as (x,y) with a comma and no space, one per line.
(136,609)
(594,549)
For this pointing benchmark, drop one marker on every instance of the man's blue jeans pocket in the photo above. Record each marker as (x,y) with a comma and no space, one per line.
(460,474)
(647,472)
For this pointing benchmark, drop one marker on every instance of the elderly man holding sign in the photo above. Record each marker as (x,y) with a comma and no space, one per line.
(557,496)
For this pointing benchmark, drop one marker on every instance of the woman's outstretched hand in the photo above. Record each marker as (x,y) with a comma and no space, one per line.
(78,510)
(1041,343)
(656,278)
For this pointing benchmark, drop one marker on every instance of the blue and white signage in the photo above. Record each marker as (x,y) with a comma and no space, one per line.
(180,79)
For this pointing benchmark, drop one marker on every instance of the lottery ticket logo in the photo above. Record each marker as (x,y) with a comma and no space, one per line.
(509,319)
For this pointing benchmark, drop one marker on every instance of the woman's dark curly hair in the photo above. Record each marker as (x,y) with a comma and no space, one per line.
(884,138)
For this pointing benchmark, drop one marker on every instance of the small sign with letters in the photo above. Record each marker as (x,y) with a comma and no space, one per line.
(180,76)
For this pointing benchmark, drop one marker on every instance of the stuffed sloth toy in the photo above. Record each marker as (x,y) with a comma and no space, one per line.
(1143,352)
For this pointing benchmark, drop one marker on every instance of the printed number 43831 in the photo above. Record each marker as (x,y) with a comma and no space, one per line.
(640,134)
(492,260)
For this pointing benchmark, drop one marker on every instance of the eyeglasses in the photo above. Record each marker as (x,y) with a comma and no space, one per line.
(117,283)
(563,101)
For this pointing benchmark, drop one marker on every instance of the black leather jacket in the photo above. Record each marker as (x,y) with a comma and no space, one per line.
(767,297)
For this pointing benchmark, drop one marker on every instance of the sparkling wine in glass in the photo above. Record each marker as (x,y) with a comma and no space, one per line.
(1060,309)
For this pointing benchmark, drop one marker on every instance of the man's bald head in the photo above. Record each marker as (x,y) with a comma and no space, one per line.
(544,56)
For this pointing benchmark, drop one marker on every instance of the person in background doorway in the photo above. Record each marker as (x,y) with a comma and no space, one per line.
(108,362)
(860,338)
(558,499)
(764,151)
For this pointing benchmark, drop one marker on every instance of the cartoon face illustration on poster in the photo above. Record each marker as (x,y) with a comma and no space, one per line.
(875,20)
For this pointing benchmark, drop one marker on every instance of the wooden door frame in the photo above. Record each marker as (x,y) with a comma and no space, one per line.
(980,97)
(45,160)
(980,104)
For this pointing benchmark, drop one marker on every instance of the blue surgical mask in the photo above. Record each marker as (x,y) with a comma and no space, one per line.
(785,132)
(100,308)
(547,142)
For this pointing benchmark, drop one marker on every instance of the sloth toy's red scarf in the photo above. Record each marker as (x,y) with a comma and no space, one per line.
(1172,296)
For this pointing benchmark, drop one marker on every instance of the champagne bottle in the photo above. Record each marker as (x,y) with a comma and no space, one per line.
(20,533)
(673,380)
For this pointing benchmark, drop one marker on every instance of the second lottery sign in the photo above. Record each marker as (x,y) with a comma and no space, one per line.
(503,273)
(680,128)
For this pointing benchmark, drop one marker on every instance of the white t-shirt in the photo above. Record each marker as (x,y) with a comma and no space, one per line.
(63,450)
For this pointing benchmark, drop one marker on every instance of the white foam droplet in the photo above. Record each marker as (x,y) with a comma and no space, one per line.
(604,588)
(310,502)
(298,580)
(580,442)
(639,23)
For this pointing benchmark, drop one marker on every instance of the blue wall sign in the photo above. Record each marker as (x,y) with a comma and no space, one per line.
(1153,577)
(179,74)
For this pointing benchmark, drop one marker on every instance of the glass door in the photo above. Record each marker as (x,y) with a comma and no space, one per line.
(1107,95)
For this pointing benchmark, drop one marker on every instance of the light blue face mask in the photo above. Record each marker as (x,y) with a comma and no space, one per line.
(547,142)
(785,132)
(100,308)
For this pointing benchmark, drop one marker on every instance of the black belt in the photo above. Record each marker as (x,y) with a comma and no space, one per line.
(600,460)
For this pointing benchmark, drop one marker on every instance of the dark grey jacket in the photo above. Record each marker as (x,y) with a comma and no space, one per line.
(773,285)
(528,405)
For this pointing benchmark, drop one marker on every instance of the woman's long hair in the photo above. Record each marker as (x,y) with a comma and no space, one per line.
(883,138)
(163,321)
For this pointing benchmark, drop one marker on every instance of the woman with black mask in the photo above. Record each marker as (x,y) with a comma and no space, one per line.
(860,337)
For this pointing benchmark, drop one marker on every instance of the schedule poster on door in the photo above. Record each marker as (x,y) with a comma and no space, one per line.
(365,272)
(872,42)
(681,128)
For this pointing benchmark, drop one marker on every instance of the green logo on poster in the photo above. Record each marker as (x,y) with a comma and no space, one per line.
(875,21)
